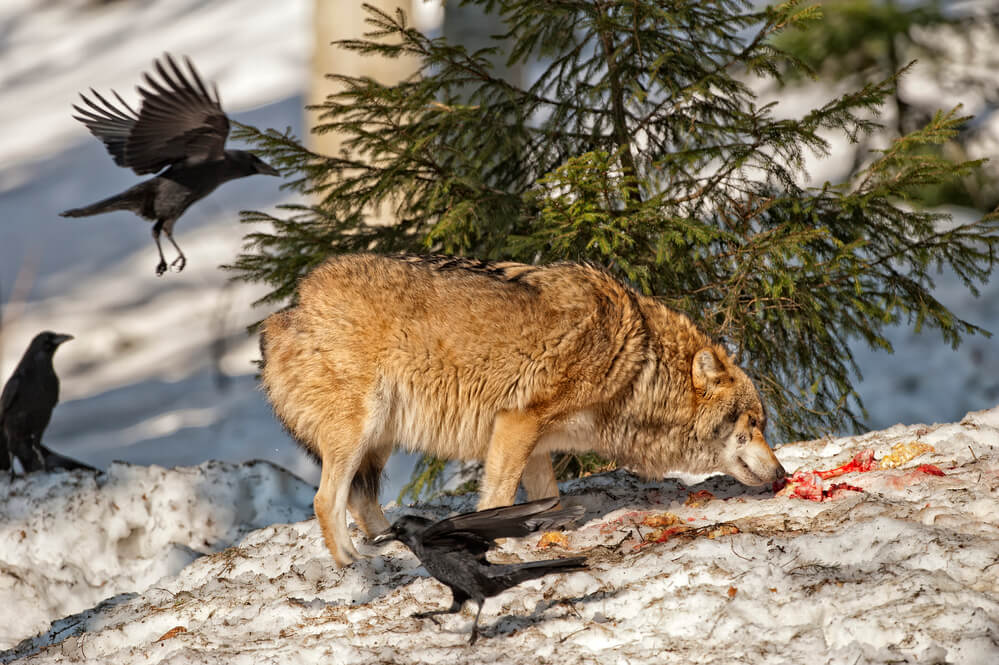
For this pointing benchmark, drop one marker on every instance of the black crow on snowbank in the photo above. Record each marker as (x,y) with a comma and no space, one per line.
(453,550)
(180,127)
(26,405)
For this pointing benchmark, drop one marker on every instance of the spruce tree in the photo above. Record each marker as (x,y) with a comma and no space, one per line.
(867,40)
(640,145)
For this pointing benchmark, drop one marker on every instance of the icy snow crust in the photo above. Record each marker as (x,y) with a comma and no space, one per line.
(70,540)
(906,571)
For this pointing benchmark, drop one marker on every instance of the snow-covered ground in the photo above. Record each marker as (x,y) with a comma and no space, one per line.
(161,368)
(73,540)
(904,571)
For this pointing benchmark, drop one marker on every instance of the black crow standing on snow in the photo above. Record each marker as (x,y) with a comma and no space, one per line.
(180,127)
(26,405)
(453,550)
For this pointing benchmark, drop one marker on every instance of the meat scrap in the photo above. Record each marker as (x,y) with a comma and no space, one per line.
(551,539)
(712,531)
(862,461)
(658,520)
(912,477)
(173,632)
(721,530)
(660,535)
(903,452)
(808,484)
(801,485)
(698,499)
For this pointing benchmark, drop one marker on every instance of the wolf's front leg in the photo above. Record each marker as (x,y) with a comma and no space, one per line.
(515,434)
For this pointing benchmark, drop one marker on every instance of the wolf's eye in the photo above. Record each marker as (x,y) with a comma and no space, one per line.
(742,439)
(752,422)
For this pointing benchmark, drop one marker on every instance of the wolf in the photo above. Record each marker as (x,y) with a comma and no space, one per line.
(501,362)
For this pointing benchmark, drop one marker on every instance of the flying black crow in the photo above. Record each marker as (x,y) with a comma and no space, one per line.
(180,127)
(26,405)
(453,550)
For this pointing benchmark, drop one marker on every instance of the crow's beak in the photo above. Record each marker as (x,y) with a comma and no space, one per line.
(383,537)
(267,169)
(59,339)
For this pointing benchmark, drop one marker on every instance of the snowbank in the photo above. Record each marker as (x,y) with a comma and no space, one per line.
(161,368)
(905,570)
(69,540)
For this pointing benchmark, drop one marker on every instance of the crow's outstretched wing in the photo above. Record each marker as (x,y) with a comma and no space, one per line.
(485,526)
(111,124)
(179,121)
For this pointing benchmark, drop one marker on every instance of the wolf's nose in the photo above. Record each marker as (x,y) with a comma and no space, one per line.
(780,473)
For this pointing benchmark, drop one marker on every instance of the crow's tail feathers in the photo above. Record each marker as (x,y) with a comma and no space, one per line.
(117,202)
(515,573)
(107,205)
(54,460)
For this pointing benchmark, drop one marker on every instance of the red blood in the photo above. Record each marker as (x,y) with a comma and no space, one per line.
(931,469)
(806,485)
(862,461)
(837,489)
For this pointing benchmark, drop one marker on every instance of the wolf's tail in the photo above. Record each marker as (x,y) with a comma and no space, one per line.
(274,322)
(110,204)
(515,573)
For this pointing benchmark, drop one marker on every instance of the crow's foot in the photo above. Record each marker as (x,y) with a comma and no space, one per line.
(161,268)
(179,263)
(427,615)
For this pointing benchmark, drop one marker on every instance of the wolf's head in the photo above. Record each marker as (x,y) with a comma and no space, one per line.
(730,419)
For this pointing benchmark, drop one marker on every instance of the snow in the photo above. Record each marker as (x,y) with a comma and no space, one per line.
(141,523)
(904,571)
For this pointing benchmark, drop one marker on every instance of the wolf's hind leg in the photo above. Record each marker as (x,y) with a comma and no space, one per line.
(539,477)
(342,454)
(363,497)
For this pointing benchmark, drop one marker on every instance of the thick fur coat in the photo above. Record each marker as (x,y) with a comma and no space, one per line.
(500,362)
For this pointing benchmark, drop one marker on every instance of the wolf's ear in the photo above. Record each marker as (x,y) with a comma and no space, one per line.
(708,370)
